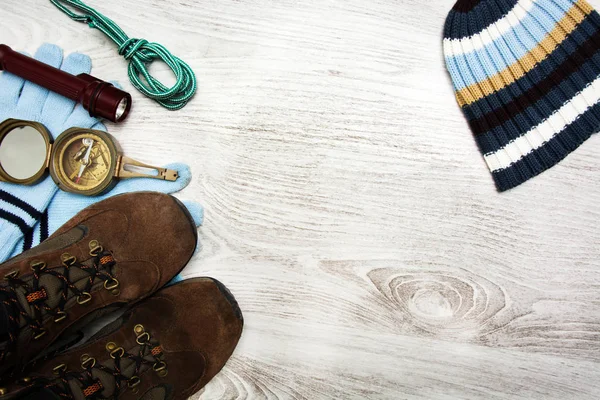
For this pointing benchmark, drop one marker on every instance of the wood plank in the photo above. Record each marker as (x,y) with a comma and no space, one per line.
(348,208)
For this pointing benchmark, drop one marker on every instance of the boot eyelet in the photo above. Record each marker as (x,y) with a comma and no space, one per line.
(84,298)
(37,265)
(95,248)
(59,369)
(111,284)
(25,380)
(87,361)
(3,391)
(40,334)
(113,350)
(134,381)
(11,275)
(159,366)
(163,373)
(60,316)
(67,259)
(144,338)
(138,329)
(119,351)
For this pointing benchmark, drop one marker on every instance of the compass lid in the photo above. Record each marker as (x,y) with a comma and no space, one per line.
(25,148)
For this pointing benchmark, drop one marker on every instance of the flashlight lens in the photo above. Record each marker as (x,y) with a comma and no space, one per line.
(121,109)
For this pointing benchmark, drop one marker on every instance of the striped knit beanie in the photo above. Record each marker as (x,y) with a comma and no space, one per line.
(527,76)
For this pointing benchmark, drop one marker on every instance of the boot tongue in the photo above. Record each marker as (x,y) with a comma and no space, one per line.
(107,380)
(53,288)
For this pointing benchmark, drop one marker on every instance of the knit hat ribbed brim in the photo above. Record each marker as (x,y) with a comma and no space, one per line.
(526,75)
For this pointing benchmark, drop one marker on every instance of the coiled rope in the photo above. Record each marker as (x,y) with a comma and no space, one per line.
(140,53)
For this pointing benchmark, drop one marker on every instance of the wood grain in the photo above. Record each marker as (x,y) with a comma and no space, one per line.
(348,208)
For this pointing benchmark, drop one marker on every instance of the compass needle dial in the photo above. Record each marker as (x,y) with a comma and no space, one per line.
(83,161)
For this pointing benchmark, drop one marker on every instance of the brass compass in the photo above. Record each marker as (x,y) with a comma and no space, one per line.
(83,161)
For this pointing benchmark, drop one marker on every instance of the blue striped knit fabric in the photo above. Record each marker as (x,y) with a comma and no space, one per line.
(526,74)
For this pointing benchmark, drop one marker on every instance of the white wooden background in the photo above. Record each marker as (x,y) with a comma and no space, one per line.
(348,208)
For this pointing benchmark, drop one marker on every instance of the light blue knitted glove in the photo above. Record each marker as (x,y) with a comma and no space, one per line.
(28,214)
(22,206)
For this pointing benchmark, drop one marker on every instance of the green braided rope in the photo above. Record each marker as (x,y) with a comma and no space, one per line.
(140,54)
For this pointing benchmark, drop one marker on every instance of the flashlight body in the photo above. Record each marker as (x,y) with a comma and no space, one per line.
(100,98)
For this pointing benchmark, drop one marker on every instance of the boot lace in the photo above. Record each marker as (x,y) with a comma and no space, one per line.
(149,355)
(35,311)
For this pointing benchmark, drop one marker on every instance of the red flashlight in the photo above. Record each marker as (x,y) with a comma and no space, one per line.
(99,98)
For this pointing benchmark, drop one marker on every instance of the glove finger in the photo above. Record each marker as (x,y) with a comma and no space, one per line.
(33,96)
(184,177)
(178,278)
(10,87)
(80,118)
(99,126)
(116,84)
(196,211)
(57,108)
(155,185)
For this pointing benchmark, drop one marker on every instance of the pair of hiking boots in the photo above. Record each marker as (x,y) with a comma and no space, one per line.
(115,255)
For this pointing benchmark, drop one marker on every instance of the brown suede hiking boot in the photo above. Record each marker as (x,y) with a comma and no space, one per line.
(165,348)
(112,254)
